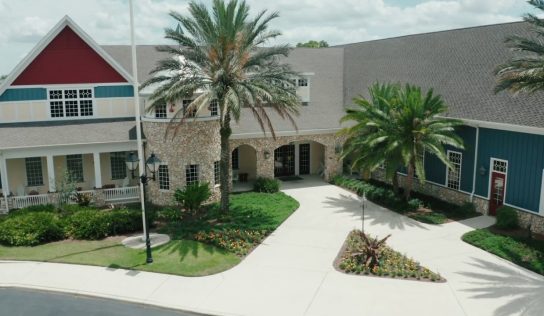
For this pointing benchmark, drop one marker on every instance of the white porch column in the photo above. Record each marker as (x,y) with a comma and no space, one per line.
(51,173)
(97,171)
(4,176)
(297,160)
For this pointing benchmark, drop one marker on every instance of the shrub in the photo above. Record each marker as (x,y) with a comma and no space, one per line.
(47,208)
(507,218)
(124,221)
(414,204)
(168,215)
(82,199)
(31,228)
(88,224)
(466,208)
(192,196)
(266,185)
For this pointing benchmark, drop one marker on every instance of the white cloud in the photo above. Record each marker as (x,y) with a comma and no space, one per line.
(338,21)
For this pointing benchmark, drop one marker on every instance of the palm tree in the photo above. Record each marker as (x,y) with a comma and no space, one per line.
(368,140)
(395,127)
(220,55)
(524,72)
(420,129)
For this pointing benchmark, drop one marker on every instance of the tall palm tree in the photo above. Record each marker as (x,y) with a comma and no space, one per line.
(220,55)
(395,127)
(524,72)
(420,129)
(369,140)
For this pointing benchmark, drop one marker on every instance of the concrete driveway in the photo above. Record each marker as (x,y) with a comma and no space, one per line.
(291,273)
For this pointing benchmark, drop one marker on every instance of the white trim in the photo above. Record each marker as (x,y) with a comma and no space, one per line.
(541,208)
(504,126)
(285,133)
(170,120)
(448,169)
(65,21)
(72,85)
(523,209)
(491,159)
(474,169)
(62,145)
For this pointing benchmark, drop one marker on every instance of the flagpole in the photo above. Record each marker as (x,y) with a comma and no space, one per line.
(141,164)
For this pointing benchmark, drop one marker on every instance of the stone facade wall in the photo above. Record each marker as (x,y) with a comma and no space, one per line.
(526,219)
(195,142)
(265,166)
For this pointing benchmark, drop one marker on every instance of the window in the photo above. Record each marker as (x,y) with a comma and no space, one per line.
(453,177)
(186,104)
(234,160)
(304,103)
(302,82)
(500,165)
(74,165)
(118,165)
(214,110)
(164,177)
(191,174)
(216,173)
(160,110)
(34,175)
(71,103)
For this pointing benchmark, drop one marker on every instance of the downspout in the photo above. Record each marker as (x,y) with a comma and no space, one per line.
(475,164)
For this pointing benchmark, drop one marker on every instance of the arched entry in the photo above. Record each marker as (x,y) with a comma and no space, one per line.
(299,158)
(244,163)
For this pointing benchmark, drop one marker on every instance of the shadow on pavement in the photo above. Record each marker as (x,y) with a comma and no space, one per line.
(524,290)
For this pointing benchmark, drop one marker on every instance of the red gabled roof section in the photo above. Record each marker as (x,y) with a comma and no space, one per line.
(68,59)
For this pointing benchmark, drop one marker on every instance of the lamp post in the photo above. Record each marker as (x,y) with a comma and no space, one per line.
(152,163)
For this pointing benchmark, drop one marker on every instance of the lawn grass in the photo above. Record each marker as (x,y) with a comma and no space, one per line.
(180,257)
(528,253)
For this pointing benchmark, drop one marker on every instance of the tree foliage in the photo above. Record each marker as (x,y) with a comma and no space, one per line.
(313,44)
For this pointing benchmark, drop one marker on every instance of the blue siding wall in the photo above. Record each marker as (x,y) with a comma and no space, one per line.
(435,170)
(525,155)
(113,91)
(24,94)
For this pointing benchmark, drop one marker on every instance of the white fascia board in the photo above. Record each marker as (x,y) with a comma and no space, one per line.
(503,126)
(285,133)
(65,21)
(68,149)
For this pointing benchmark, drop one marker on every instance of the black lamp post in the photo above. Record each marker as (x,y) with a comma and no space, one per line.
(152,163)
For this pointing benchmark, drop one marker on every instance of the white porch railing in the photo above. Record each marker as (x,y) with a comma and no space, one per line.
(126,194)
(113,196)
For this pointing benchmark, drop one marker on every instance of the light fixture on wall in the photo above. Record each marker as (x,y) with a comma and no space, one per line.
(172,107)
(266,154)
(482,171)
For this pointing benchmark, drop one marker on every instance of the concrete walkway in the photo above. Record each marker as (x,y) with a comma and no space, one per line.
(291,273)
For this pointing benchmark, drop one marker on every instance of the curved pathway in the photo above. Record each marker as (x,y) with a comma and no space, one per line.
(291,273)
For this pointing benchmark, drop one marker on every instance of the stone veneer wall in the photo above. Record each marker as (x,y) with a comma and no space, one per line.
(265,167)
(195,142)
(526,219)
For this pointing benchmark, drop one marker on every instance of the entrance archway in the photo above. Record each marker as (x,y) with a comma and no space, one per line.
(299,158)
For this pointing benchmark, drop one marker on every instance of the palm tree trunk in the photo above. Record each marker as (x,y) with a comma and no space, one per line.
(409,180)
(224,165)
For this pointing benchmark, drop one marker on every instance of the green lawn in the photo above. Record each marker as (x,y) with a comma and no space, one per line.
(252,217)
(522,251)
(181,257)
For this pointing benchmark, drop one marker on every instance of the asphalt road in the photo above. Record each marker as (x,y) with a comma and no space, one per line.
(24,302)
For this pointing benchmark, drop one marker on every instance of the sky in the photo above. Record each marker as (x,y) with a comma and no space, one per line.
(25,22)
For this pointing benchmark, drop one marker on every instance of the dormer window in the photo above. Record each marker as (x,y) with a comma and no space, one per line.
(70,103)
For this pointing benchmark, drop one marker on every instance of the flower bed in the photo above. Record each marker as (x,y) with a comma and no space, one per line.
(391,263)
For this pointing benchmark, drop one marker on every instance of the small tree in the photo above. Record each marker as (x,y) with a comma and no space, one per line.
(66,188)
(193,196)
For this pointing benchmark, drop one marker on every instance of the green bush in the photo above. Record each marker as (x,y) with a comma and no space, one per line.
(124,221)
(266,185)
(467,208)
(414,204)
(88,224)
(31,228)
(192,196)
(47,208)
(507,218)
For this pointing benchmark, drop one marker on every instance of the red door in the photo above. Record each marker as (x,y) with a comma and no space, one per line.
(498,184)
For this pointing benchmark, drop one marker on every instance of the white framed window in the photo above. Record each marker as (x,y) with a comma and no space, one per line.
(118,167)
(302,82)
(216,173)
(70,103)
(235,161)
(164,177)
(500,165)
(453,175)
(186,104)
(214,108)
(74,165)
(34,172)
(191,174)
(160,110)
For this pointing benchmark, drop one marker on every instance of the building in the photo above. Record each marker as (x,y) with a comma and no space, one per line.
(69,106)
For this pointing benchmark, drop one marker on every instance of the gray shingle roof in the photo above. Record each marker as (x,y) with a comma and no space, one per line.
(458,64)
(19,135)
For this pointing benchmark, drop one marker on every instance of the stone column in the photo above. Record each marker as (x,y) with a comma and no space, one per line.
(333,163)
(51,173)
(97,171)
(265,167)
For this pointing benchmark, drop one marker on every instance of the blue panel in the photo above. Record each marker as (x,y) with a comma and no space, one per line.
(525,155)
(24,94)
(113,91)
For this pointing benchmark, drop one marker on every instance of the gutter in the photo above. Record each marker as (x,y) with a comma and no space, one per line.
(475,164)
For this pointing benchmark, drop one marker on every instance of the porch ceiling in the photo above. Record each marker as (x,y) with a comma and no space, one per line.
(67,133)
